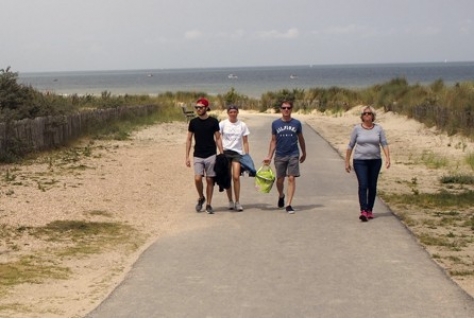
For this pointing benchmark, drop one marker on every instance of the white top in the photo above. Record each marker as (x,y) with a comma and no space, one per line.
(232,134)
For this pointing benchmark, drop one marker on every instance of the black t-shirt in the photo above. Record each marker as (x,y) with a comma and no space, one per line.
(204,131)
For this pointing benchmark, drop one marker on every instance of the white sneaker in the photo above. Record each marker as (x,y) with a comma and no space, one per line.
(231,205)
(238,207)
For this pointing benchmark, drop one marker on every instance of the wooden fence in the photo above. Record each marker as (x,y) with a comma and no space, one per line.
(45,133)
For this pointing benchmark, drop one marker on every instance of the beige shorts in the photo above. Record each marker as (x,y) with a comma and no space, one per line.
(205,166)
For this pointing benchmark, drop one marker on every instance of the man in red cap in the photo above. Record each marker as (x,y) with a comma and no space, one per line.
(206,132)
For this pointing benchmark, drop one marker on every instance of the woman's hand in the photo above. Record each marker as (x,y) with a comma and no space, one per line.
(348,167)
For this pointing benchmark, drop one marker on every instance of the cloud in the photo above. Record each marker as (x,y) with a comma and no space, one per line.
(237,34)
(423,31)
(466,27)
(273,34)
(350,29)
(193,34)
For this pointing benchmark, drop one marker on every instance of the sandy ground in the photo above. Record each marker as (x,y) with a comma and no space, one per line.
(141,183)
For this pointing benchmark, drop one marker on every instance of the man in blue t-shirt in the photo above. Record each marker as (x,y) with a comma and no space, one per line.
(287,133)
(206,132)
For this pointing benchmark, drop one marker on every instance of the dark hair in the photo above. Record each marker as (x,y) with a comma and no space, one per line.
(232,107)
(287,102)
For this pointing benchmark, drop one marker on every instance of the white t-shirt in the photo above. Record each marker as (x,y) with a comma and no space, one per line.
(232,134)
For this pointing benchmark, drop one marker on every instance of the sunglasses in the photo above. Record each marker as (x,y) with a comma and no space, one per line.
(367,113)
(285,107)
(199,107)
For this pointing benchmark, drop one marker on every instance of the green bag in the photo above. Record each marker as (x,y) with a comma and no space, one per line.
(264,179)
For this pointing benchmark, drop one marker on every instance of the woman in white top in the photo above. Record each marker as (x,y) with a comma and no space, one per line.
(235,142)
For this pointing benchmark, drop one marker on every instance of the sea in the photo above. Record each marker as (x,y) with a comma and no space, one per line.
(249,81)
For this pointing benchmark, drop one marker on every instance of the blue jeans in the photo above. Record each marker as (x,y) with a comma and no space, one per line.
(367,172)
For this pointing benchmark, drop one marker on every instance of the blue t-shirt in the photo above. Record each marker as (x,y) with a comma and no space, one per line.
(286,134)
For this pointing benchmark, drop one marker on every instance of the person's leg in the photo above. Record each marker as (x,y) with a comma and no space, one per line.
(209,189)
(361,170)
(236,179)
(291,190)
(198,175)
(373,174)
(199,185)
(229,190)
(293,171)
(280,184)
(210,174)
(281,165)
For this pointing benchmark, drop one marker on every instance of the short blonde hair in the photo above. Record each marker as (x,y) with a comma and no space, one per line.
(365,108)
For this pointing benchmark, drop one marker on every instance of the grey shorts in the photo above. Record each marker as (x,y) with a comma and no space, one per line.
(287,166)
(205,166)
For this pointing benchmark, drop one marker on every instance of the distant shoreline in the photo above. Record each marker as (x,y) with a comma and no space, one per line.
(146,71)
(249,81)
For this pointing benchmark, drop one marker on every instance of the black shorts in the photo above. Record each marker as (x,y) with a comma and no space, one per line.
(232,156)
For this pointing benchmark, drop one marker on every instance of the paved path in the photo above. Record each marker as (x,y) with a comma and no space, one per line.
(320,262)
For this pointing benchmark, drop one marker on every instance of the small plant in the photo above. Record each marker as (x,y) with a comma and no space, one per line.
(9,177)
(461,273)
(457,179)
(41,187)
(455,259)
(469,223)
(470,160)
(461,145)
(430,240)
(431,160)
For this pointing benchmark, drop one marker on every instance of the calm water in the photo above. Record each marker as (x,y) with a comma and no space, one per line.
(251,81)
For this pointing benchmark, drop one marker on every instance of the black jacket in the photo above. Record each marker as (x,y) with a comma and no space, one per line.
(222,172)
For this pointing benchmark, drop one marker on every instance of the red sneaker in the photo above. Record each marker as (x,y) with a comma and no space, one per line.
(369,214)
(363,216)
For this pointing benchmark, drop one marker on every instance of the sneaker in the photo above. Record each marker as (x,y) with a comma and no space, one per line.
(238,207)
(200,203)
(209,209)
(369,214)
(231,205)
(281,201)
(290,209)
(363,216)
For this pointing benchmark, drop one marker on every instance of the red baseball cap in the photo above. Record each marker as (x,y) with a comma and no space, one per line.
(203,101)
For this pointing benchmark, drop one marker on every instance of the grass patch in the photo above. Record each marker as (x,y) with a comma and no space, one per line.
(407,219)
(458,179)
(99,213)
(443,199)
(449,240)
(432,160)
(61,238)
(470,160)
(122,130)
(461,273)
(84,237)
(469,223)
(454,259)
(30,269)
(430,240)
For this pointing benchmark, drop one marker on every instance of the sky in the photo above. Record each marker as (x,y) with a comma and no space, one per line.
(84,35)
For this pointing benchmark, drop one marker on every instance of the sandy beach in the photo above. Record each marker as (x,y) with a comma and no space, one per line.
(142,182)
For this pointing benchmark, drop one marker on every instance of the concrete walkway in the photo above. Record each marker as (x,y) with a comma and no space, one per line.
(320,262)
